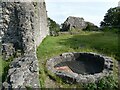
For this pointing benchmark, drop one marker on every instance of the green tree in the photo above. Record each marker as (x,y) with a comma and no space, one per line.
(91,27)
(54,27)
(112,18)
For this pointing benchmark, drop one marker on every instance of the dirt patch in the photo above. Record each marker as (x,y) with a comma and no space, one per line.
(80,66)
(49,83)
(64,68)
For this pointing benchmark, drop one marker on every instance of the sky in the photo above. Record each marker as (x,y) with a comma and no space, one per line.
(91,10)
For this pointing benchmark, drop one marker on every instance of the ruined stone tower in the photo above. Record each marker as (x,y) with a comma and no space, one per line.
(24,26)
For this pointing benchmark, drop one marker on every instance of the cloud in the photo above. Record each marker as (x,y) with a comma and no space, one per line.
(90,11)
(81,0)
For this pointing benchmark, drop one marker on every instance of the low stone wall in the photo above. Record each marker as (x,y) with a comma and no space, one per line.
(73,77)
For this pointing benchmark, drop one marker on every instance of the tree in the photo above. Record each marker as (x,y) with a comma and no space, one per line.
(54,27)
(112,18)
(91,27)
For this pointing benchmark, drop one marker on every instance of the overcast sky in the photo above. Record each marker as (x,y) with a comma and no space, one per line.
(91,10)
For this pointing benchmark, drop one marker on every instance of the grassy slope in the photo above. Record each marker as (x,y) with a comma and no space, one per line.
(105,43)
(0,65)
(99,42)
(3,69)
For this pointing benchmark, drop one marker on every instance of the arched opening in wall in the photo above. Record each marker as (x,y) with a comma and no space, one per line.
(73,27)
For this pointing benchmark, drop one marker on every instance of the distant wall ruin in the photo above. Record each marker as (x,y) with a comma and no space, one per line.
(78,24)
(74,23)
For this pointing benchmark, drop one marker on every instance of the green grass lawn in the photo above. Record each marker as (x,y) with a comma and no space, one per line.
(99,42)
(105,43)
(0,65)
(3,69)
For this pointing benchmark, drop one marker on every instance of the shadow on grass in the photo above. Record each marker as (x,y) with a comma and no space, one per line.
(4,75)
(106,43)
(0,82)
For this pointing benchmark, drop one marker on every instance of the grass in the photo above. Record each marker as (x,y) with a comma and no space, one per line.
(99,42)
(106,43)
(4,66)
(1,69)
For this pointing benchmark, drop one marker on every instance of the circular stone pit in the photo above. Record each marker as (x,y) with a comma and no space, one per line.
(80,67)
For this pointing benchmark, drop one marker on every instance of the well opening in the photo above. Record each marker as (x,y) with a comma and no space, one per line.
(81,67)
(83,64)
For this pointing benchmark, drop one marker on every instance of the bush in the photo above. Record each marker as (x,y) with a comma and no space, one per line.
(91,27)
(54,27)
(106,83)
(112,18)
(110,29)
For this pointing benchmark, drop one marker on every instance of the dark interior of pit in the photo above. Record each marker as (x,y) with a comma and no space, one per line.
(84,64)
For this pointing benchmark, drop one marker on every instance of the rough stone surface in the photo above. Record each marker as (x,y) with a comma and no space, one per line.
(1,22)
(40,23)
(72,77)
(77,23)
(74,22)
(24,26)
(23,72)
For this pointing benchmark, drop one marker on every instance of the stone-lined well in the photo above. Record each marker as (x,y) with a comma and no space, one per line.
(80,67)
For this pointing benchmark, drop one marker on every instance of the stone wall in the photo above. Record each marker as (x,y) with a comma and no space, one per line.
(42,27)
(24,26)
(74,23)
(13,27)
(1,22)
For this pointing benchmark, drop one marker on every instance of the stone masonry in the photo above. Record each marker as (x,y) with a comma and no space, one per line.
(105,62)
(74,22)
(24,27)
(77,23)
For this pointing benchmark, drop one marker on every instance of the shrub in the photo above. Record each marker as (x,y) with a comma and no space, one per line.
(91,27)
(54,27)
(112,18)
(106,83)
